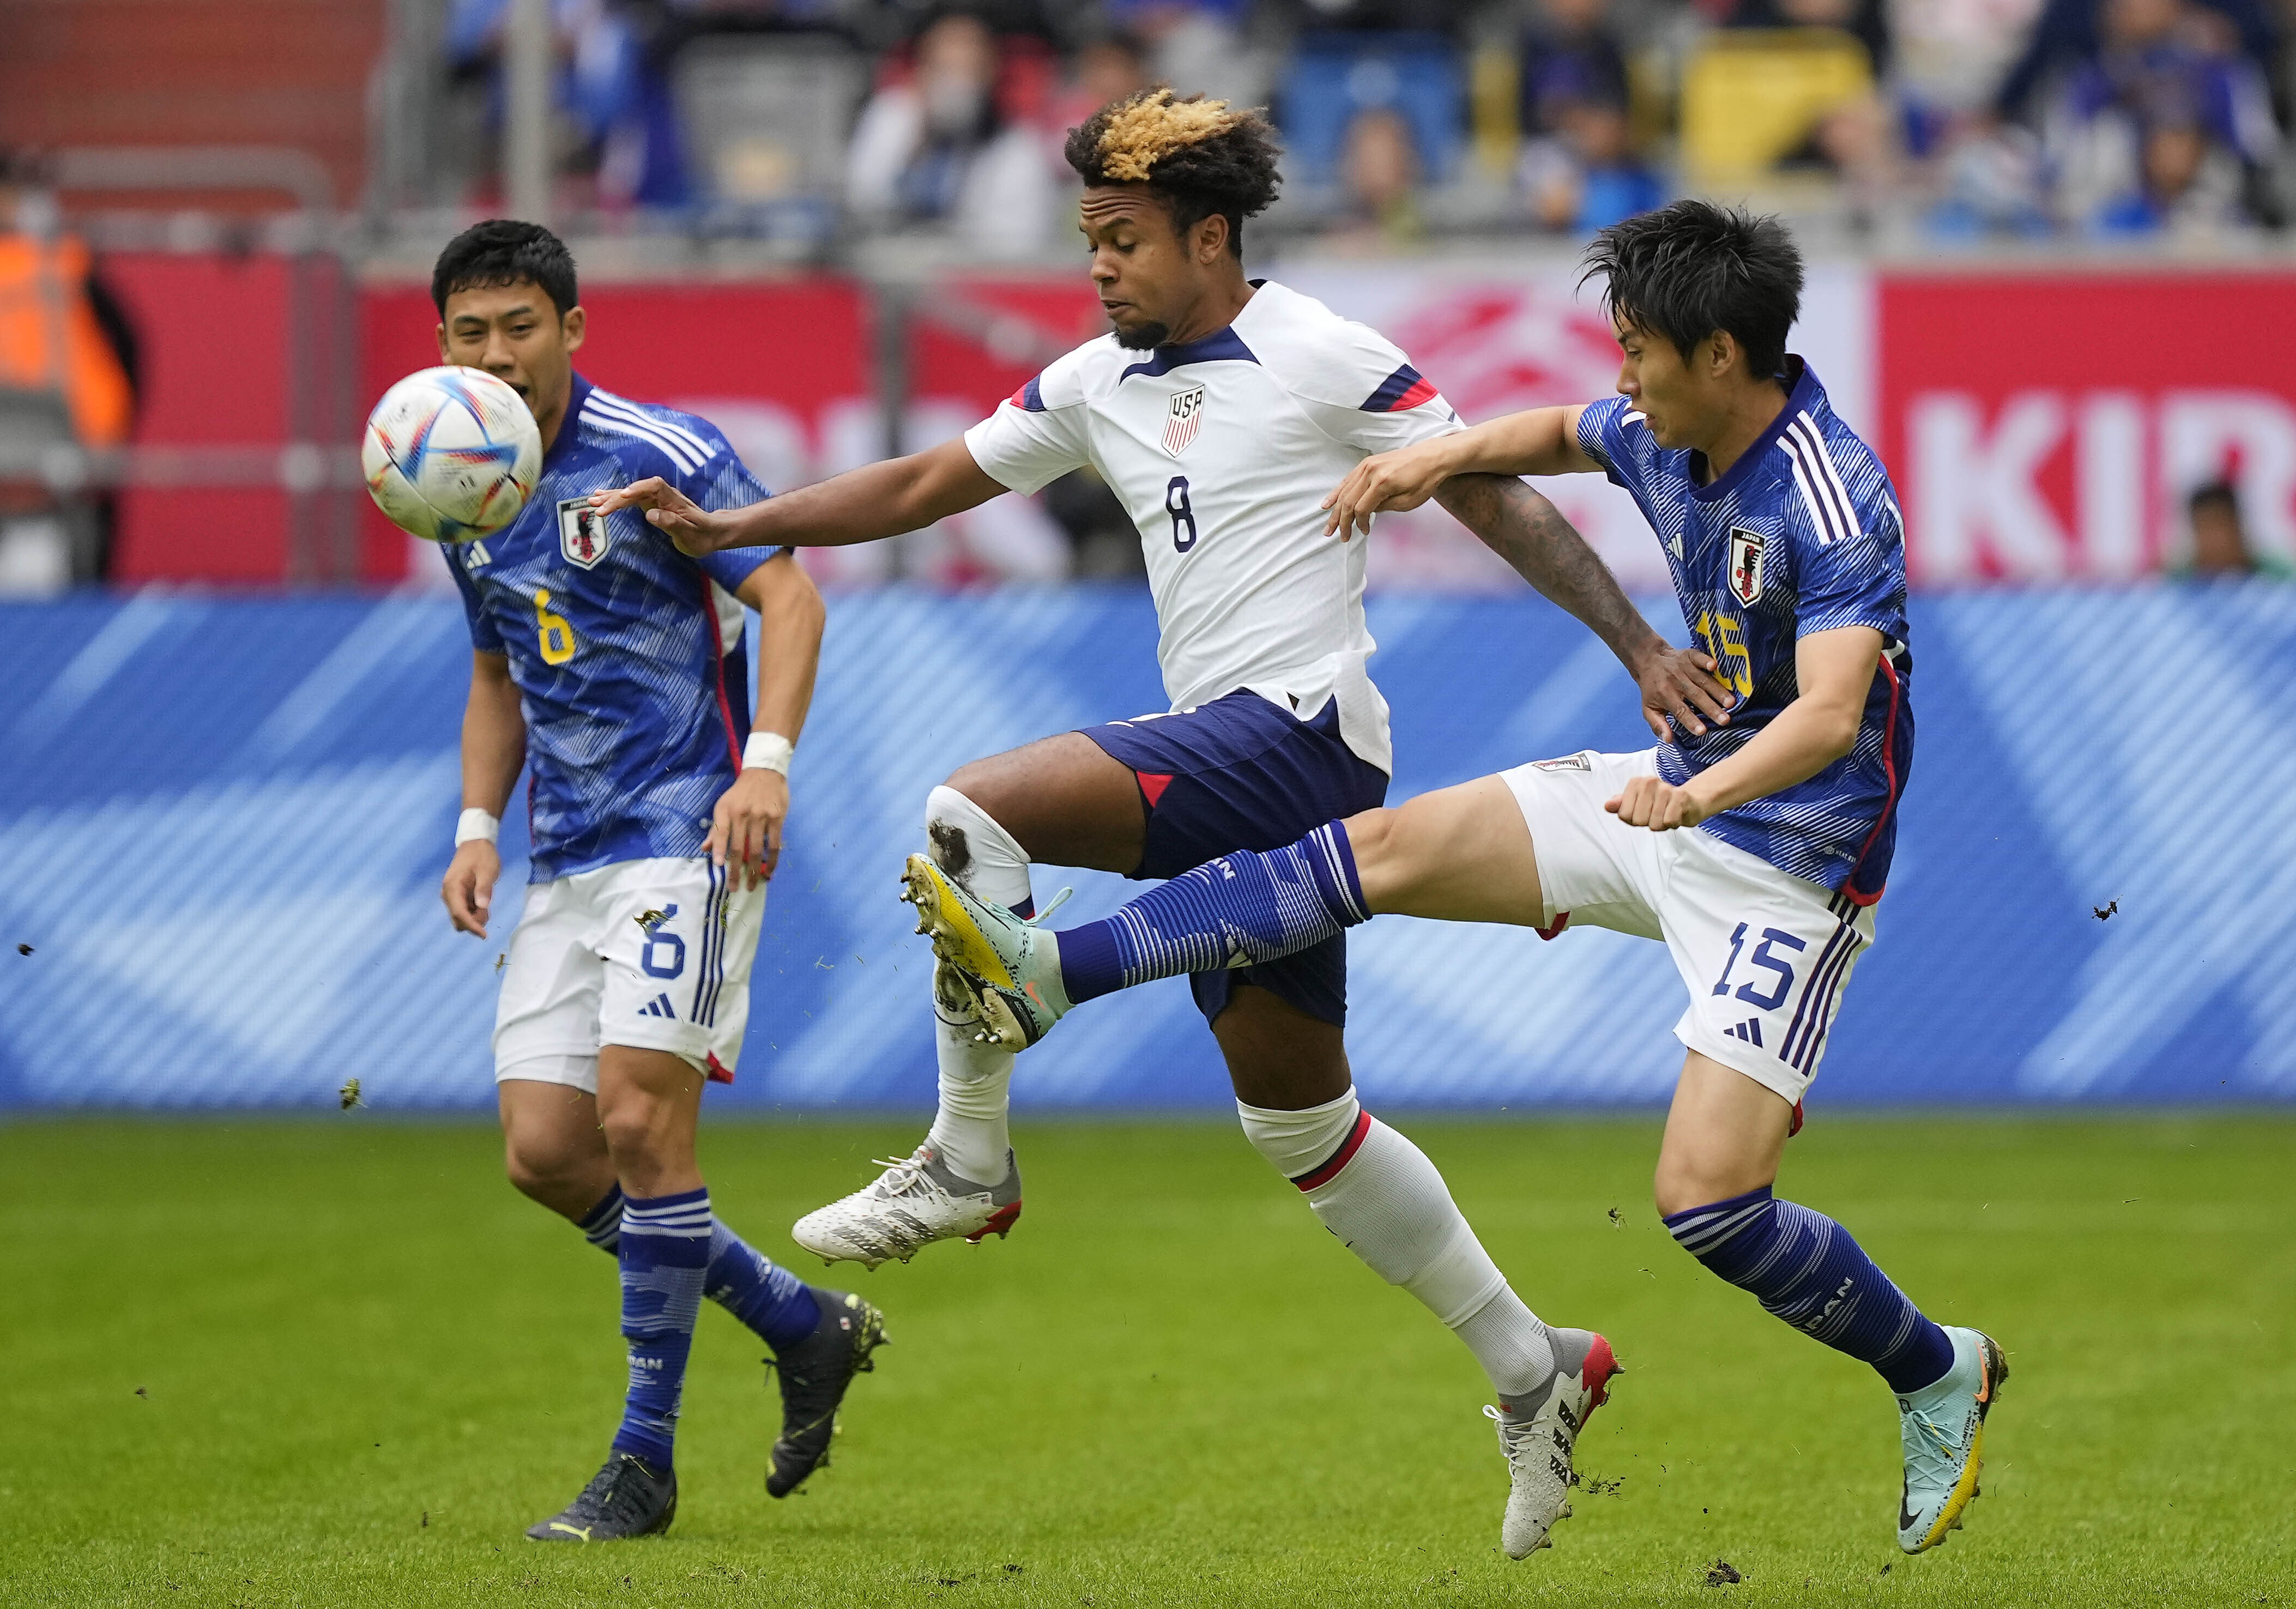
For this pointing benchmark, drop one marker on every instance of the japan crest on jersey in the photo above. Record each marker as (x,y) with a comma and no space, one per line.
(1745,564)
(1182,420)
(582,533)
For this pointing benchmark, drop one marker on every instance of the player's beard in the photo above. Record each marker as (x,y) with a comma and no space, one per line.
(1139,337)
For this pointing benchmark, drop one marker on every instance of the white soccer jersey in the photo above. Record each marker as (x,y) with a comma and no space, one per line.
(1223,451)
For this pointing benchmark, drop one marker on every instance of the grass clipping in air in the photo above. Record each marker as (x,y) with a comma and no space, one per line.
(368,1365)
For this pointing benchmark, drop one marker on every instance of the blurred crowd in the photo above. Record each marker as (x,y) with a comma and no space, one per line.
(819,120)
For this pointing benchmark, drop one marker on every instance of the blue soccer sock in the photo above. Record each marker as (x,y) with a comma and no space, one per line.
(665,1253)
(760,1292)
(1237,911)
(744,1280)
(1804,1267)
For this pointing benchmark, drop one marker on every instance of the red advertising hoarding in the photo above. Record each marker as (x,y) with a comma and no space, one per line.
(2048,427)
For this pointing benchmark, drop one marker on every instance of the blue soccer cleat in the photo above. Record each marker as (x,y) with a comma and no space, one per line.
(1944,1429)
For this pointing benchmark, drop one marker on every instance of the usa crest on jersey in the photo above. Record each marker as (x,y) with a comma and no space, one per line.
(582,533)
(1745,564)
(1182,420)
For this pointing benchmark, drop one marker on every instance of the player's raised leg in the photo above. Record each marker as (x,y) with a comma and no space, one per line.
(1463,853)
(1061,799)
(1724,1137)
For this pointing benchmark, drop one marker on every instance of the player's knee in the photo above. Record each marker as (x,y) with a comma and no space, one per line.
(538,1168)
(1678,1186)
(635,1126)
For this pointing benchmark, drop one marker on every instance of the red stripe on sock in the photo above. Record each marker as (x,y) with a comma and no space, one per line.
(1331,1164)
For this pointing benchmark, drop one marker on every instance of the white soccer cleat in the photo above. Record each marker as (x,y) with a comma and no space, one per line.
(915,1201)
(1537,1434)
(1011,966)
(1943,1428)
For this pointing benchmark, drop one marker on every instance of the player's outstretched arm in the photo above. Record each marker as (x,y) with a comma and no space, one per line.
(1531,535)
(494,751)
(1833,671)
(863,504)
(745,829)
(1539,441)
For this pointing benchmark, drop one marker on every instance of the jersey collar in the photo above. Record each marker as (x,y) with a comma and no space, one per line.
(1803,392)
(1221,346)
(575,398)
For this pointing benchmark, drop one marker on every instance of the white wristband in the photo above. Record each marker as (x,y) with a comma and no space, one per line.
(476,824)
(767,751)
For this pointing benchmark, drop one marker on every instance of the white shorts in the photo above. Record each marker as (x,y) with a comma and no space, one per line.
(653,954)
(1765,953)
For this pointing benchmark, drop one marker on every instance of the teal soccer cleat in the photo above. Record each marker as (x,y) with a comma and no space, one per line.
(1944,1429)
(1012,965)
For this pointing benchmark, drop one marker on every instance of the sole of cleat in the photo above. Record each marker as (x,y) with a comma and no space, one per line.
(954,937)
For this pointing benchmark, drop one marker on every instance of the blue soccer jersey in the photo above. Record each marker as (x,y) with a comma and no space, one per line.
(1802,535)
(626,654)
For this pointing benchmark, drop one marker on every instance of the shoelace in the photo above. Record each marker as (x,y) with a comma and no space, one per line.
(903,1174)
(1513,1432)
(1932,1450)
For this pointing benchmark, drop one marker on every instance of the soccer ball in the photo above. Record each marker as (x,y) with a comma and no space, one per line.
(451,454)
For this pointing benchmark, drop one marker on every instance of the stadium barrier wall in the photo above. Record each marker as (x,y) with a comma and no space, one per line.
(2043,424)
(222,824)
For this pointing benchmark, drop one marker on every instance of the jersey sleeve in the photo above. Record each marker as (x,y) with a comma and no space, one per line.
(1038,434)
(484,637)
(1603,436)
(1849,559)
(1361,392)
(722,480)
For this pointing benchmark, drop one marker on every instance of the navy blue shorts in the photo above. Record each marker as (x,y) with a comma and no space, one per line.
(1241,773)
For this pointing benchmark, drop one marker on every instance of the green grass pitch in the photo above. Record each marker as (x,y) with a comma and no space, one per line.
(311,1362)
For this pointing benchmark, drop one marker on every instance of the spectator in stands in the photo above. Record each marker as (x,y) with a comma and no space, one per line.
(1572,56)
(1108,67)
(2163,127)
(2220,540)
(932,148)
(1197,46)
(1866,20)
(611,87)
(1584,176)
(2073,33)
(1378,174)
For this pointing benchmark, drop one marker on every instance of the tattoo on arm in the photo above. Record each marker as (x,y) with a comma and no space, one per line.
(1542,547)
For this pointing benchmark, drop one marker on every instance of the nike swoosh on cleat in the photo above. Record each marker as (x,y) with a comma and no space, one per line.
(1904,1516)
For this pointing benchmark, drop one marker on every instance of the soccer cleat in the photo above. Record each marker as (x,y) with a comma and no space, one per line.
(628,1498)
(915,1201)
(1012,965)
(815,1375)
(1943,1426)
(1539,1432)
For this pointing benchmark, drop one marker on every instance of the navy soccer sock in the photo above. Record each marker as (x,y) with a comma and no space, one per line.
(1237,911)
(602,1225)
(1804,1268)
(758,1291)
(665,1253)
(744,1280)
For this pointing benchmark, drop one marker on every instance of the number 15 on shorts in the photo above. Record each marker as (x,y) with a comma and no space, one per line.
(1763,959)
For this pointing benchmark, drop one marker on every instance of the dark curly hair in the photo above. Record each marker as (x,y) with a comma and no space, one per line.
(1201,156)
(1687,270)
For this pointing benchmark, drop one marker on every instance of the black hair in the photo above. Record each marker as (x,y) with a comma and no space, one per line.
(1687,270)
(2215,493)
(1199,157)
(505,251)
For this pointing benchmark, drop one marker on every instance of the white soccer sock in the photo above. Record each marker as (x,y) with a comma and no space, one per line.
(969,1130)
(1381,1195)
